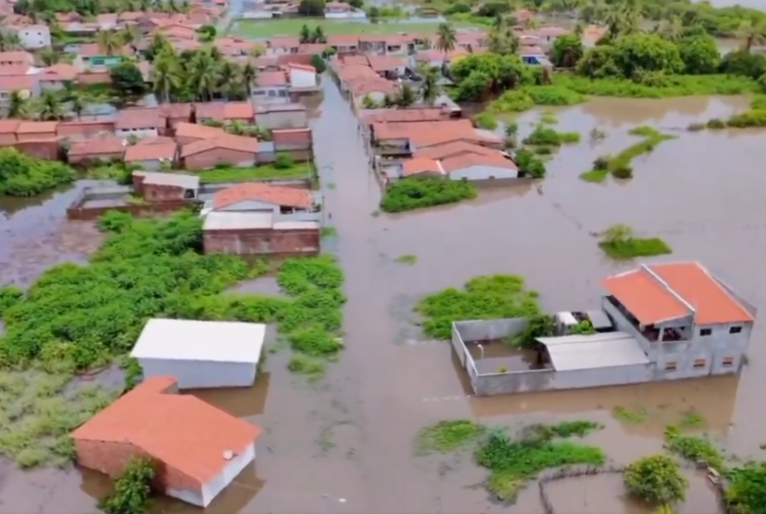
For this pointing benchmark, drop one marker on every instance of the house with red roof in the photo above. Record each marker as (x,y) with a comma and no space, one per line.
(198,449)
(686,319)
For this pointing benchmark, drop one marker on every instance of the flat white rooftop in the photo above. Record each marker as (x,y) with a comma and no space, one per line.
(591,351)
(219,341)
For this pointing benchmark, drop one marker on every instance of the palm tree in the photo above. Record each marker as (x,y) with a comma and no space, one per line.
(406,96)
(236,127)
(752,34)
(318,36)
(166,76)
(202,77)
(49,57)
(429,88)
(305,35)
(502,39)
(9,41)
(18,106)
(446,38)
(228,73)
(108,41)
(249,75)
(49,107)
(78,104)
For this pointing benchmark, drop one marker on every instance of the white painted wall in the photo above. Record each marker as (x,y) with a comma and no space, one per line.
(193,374)
(38,36)
(483,173)
(211,489)
(139,133)
(302,78)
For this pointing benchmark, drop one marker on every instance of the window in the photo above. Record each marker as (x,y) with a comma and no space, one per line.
(727,362)
(699,363)
(735,330)
(671,366)
(706,332)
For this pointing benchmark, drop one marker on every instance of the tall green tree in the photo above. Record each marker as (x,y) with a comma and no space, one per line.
(18,106)
(446,38)
(49,106)
(166,75)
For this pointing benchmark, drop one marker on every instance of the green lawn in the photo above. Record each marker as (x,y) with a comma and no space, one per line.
(301,170)
(292,27)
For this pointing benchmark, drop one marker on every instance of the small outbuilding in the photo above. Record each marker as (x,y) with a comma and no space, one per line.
(201,354)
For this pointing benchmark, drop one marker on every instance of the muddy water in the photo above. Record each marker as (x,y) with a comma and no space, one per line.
(344,444)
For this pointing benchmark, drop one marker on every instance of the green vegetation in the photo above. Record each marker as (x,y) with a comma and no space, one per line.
(619,166)
(292,26)
(38,411)
(512,462)
(752,118)
(632,417)
(529,164)
(226,173)
(547,136)
(329,231)
(691,420)
(667,87)
(619,242)
(485,120)
(448,436)
(407,258)
(656,479)
(21,175)
(518,100)
(10,295)
(548,118)
(693,448)
(484,297)
(77,317)
(132,489)
(418,192)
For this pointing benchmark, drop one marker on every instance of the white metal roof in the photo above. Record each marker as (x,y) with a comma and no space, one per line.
(220,341)
(593,351)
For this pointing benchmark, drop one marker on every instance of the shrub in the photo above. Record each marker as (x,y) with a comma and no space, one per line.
(748,119)
(9,296)
(618,242)
(419,192)
(21,175)
(485,120)
(656,479)
(132,489)
(283,161)
(716,124)
(318,63)
(528,164)
(620,165)
(548,136)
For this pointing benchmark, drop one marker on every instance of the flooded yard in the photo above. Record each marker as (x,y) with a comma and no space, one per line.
(344,444)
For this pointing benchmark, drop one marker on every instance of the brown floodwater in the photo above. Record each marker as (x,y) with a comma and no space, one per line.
(344,444)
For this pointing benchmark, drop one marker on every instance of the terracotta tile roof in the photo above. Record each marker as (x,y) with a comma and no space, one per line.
(420,165)
(59,72)
(180,431)
(271,79)
(438,55)
(176,110)
(666,291)
(356,71)
(196,131)
(312,48)
(17,56)
(385,62)
(342,40)
(148,118)
(15,69)
(238,111)
(283,42)
(463,161)
(292,136)
(711,302)
(304,67)
(448,150)
(165,149)
(17,82)
(363,86)
(277,195)
(403,115)
(96,146)
(9,126)
(158,140)
(355,60)
(37,127)
(228,142)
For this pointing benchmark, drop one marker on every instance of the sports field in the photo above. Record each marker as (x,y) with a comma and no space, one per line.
(292,27)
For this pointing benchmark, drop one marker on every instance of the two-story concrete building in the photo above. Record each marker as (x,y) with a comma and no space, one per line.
(687,321)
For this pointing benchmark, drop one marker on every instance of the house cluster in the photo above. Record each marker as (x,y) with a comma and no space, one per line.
(170,136)
(34,33)
(197,449)
(267,9)
(668,321)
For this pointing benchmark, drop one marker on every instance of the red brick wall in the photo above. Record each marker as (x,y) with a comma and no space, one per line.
(162,193)
(7,139)
(78,212)
(41,150)
(99,77)
(87,158)
(69,128)
(211,158)
(262,241)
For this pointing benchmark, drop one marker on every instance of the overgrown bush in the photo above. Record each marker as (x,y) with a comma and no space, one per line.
(529,165)
(484,297)
(419,192)
(543,135)
(76,317)
(619,242)
(21,175)
(9,296)
(132,489)
(620,165)
(283,161)
(656,479)
(485,120)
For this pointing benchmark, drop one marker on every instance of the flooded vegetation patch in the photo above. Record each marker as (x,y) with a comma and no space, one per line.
(547,136)
(619,242)
(132,489)
(529,164)
(669,86)
(484,297)
(407,258)
(21,175)
(38,411)
(519,100)
(420,192)
(485,120)
(693,448)
(328,231)
(656,479)
(619,165)
(633,417)
(447,436)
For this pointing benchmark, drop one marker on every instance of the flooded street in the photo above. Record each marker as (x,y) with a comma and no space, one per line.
(344,444)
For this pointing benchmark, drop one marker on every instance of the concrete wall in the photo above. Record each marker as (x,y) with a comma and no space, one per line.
(210,158)
(483,173)
(192,374)
(262,241)
(204,496)
(282,119)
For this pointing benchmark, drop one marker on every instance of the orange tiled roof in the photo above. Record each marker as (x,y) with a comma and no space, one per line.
(228,142)
(286,196)
(180,431)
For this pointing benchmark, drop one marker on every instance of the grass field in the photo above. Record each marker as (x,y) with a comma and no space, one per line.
(300,170)
(292,27)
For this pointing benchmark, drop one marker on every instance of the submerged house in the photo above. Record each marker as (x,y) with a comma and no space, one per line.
(668,321)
